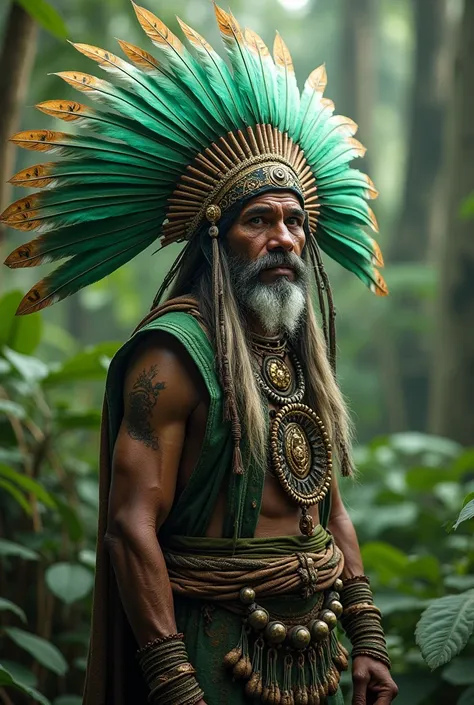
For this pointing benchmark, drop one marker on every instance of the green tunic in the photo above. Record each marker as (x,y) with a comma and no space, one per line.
(210,631)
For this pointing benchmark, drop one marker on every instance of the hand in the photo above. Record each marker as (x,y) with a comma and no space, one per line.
(200,702)
(373,684)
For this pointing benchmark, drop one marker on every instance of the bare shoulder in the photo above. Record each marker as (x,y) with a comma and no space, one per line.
(162,386)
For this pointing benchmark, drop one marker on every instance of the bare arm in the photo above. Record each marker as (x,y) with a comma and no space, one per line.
(342,528)
(160,393)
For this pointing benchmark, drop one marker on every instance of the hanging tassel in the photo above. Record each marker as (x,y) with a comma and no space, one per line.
(326,287)
(213,213)
(271,692)
(254,687)
(301,691)
(238,652)
(287,697)
(313,689)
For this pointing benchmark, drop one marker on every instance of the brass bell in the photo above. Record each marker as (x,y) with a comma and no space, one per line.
(275,632)
(247,595)
(299,637)
(319,630)
(258,619)
(332,595)
(338,585)
(329,617)
(336,607)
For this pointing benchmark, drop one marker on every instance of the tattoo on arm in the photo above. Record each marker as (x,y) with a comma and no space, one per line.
(142,400)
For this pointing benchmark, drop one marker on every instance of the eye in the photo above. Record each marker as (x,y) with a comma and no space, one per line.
(256,220)
(294,220)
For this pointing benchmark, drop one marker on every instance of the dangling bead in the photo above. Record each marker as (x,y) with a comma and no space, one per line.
(232,657)
(243,668)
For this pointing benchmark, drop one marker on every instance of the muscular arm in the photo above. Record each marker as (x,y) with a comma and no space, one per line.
(160,394)
(342,528)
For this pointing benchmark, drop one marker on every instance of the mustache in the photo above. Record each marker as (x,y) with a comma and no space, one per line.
(253,269)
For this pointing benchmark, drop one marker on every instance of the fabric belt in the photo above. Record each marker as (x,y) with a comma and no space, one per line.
(216,569)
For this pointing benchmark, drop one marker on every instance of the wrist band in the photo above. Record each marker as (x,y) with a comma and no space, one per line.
(362,621)
(168,673)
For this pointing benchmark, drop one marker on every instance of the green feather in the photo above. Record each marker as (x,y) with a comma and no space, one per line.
(82,270)
(77,239)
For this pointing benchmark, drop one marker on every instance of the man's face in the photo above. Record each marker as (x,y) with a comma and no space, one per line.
(269,223)
(264,247)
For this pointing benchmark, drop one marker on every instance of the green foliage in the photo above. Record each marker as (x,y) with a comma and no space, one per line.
(7,679)
(45,14)
(445,627)
(68,581)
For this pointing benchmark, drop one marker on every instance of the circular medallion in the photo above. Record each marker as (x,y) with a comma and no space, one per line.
(277,373)
(301,454)
(276,380)
(280,175)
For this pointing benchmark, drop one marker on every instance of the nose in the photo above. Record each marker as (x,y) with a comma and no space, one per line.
(280,239)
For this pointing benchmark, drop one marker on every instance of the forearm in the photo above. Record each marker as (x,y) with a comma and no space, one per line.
(342,529)
(143,582)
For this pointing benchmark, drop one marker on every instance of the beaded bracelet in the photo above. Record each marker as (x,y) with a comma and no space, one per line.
(362,620)
(168,673)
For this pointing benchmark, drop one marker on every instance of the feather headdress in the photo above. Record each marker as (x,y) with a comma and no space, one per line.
(174,135)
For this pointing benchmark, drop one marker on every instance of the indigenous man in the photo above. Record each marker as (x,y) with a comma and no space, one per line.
(226,558)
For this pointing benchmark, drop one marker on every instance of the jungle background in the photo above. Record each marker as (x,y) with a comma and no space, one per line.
(404,69)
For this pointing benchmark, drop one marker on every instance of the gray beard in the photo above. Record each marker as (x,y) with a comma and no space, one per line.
(278,307)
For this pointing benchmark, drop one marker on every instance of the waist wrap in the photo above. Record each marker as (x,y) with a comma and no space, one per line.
(283,658)
(217,569)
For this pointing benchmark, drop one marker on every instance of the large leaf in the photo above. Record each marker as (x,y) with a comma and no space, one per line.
(9,606)
(9,548)
(42,651)
(445,627)
(20,673)
(69,581)
(20,333)
(90,364)
(27,484)
(467,512)
(30,368)
(45,14)
(8,680)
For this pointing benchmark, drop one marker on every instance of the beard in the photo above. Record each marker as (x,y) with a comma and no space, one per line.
(279,306)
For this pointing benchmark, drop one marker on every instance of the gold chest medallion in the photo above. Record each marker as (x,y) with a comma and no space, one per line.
(301,457)
(278,374)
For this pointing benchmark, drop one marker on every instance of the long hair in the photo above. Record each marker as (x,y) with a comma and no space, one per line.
(193,275)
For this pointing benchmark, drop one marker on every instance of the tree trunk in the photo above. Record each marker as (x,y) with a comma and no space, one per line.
(423,208)
(358,65)
(452,409)
(16,60)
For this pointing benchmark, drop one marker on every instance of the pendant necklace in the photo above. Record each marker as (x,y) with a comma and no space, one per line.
(300,449)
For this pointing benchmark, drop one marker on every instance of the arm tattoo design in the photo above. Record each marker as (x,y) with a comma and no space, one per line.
(142,400)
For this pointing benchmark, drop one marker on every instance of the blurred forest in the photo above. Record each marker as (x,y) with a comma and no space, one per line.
(404,70)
